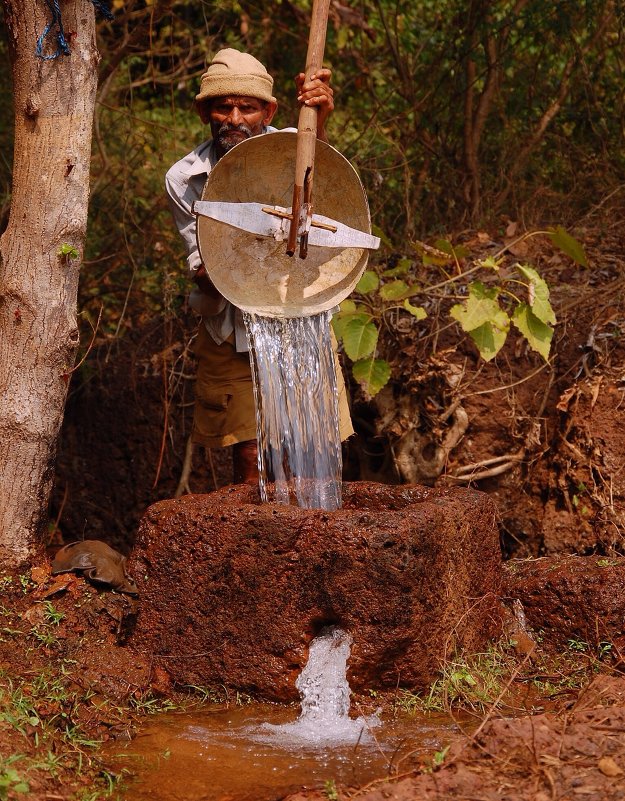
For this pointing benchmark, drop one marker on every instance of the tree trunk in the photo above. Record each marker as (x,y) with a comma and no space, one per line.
(40,255)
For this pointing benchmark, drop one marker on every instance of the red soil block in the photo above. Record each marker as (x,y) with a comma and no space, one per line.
(232,591)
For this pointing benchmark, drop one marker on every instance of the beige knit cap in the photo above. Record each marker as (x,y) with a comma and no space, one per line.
(235,73)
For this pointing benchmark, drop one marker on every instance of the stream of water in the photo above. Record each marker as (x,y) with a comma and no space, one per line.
(324,719)
(297,415)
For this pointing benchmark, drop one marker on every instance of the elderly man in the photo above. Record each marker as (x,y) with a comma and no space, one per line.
(236,101)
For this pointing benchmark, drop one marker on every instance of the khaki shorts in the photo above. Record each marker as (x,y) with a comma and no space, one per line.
(224,411)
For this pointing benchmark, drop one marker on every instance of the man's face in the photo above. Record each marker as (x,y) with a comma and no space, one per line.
(233,119)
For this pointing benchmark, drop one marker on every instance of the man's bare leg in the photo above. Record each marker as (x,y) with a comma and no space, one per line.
(245,462)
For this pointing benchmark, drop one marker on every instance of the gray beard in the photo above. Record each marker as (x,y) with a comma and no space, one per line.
(225,143)
(223,139)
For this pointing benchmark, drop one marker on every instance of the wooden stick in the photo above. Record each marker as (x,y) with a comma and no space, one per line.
(307,129)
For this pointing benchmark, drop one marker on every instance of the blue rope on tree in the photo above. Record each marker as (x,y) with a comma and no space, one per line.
(101,7)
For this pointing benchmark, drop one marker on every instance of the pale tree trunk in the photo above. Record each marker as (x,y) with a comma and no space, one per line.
(54,105)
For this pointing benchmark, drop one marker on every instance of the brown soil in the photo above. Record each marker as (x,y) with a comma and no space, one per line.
(544,440)
(64,682)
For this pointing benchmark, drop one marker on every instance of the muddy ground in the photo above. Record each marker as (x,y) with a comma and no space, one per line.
(548,705)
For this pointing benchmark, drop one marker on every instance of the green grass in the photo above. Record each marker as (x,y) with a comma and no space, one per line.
(11,780)
(473,682)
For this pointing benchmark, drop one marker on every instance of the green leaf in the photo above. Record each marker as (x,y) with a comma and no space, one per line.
(402,267)
(537,333)
(480,307)
(569,245)
(483,319)
(439,756)
(489,340)
(372,374)
(340,320)
(369,282)
(67,251)
(395,290)
(539,294)
(444,245)
(417,311)
(342,37)
(491,263)
(359,338)
(383,237)
(347,306)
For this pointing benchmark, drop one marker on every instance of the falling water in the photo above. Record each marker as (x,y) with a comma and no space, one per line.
(297,418)
(324,690)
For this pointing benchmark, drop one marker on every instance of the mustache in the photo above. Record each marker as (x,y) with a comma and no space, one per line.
(228,128)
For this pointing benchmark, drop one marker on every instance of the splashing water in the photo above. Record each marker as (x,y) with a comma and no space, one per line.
(324,690)
(297,418)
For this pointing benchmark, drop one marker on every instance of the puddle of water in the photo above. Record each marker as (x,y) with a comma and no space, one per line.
(214,755)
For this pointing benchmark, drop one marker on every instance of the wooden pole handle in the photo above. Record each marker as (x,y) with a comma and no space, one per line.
(307,122)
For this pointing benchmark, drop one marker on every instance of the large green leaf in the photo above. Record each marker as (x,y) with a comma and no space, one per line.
(480,307)
(340,320)
(537,333)
(395,290)
(359,338)
(569,245)
(369,282)
(417,311)
(539,294)
(489,340)
(372,374)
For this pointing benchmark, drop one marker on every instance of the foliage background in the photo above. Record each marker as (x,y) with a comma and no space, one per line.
(455,113)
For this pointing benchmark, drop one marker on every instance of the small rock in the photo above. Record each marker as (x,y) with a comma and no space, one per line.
(608,767)
(39,574)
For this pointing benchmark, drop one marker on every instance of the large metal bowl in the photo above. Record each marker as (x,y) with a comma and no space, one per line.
(254,272)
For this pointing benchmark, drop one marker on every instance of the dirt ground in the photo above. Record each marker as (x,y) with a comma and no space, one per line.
(550,717)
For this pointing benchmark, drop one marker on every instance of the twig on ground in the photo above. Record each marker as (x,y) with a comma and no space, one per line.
(183,484)
(505,462)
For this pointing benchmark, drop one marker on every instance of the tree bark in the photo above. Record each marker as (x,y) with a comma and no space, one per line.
(40,254)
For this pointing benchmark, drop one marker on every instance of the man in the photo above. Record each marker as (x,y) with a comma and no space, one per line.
(236,101)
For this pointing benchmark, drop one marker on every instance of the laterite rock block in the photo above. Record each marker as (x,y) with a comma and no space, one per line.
(232,590)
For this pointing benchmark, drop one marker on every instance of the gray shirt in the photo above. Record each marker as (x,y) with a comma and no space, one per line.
(184,183)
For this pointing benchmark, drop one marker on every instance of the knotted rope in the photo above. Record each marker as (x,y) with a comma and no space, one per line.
(101,7)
